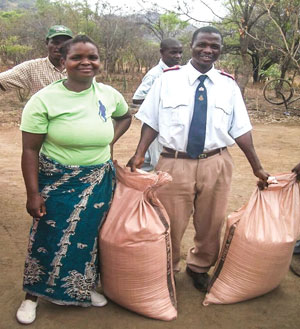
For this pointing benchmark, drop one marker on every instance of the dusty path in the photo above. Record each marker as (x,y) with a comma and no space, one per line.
(279,149)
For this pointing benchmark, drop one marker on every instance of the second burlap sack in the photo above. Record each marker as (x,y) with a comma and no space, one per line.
(258,243)
(135,247)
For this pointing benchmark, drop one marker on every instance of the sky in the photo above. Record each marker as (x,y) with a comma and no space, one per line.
(198,10)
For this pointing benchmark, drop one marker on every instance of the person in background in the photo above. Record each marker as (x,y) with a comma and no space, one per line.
(295,264)
(67,132)
(171,54)
(197,112)
(36,74)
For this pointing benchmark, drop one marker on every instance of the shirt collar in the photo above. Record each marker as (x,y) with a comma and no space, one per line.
(194,74)
(163,65)
(53,67)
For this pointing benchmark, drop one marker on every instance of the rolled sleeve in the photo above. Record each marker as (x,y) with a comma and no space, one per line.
(17,77)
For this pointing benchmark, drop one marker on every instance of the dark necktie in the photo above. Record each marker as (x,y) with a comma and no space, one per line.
(197,130)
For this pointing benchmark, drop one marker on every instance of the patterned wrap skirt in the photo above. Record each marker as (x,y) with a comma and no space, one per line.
(62,263)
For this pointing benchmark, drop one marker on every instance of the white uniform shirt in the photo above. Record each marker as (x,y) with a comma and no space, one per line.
(168,108)
(149,79)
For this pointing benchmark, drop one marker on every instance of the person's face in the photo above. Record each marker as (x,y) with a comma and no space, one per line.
(171,56)
(206,49)
(82,62)
(54,45)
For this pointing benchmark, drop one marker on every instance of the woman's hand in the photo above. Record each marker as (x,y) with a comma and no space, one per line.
(36,206)
(30,166)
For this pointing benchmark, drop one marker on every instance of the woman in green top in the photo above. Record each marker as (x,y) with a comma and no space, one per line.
(68,133)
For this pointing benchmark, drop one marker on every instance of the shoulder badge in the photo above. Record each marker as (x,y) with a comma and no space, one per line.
(227,74)
(173,68)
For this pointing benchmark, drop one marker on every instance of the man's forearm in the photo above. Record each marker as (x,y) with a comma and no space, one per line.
(148,135)
(245,143)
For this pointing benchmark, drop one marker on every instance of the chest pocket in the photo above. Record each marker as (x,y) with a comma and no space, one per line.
(175,111)
(223,112)
(224,104)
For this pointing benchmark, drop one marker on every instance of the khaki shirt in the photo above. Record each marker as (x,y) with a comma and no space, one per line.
(32,75)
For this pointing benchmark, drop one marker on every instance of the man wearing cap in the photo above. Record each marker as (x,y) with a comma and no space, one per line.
(36,74)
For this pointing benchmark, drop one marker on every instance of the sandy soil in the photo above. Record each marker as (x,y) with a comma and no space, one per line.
(277,144)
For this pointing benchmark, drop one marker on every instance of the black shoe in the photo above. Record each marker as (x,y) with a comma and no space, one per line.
(200,280)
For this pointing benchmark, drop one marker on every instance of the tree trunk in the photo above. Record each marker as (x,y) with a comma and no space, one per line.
(284,67)
(244,70)
(255,67)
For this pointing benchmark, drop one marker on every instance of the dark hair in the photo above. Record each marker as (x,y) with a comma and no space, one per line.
(169,43)
(206,29)
(64,49)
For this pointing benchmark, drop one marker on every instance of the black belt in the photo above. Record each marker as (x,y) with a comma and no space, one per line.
(182,155)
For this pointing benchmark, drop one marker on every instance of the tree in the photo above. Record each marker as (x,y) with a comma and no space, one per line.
(280,37)
(12,51)
(165,25)
(13,46)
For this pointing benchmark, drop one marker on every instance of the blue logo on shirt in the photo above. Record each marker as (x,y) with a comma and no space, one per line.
(102,111)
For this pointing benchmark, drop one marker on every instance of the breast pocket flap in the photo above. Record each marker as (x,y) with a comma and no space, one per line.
(175,102)
(225,106)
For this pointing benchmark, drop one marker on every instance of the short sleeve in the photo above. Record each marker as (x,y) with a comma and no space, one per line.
(149,110)
(35,116)
(144,87)
(121,105)
(240,120)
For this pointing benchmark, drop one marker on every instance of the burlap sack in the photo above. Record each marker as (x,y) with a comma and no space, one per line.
(135,247)
(258,244)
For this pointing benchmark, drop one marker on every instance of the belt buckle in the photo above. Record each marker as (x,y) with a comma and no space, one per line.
(202,156)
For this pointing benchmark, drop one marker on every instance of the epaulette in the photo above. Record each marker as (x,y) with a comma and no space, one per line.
(173,68)
(227,74)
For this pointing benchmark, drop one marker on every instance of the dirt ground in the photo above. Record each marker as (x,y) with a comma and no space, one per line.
(277,144)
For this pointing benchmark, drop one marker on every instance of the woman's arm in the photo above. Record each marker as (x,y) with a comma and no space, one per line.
(30,166)
(121,125)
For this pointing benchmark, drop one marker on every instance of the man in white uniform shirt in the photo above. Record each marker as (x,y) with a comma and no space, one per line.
(171,53)
(202,178)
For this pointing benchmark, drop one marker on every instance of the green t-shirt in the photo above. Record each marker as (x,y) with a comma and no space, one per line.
(78,125)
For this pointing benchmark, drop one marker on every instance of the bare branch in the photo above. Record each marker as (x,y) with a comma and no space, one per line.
(212,11)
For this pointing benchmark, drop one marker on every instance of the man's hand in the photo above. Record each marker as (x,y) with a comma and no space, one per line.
(148,135)
(263,178)
(296,170)
(135,162)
